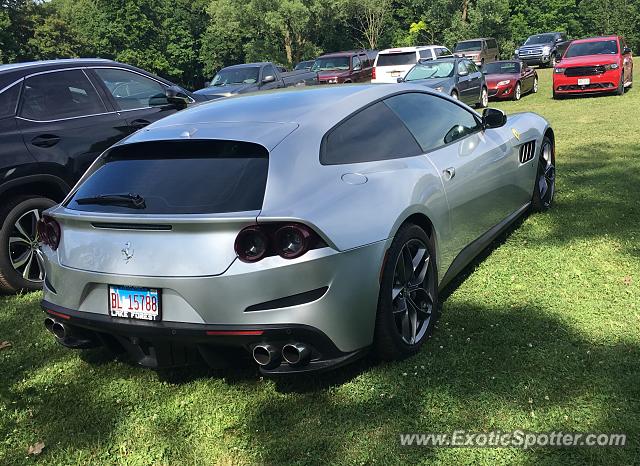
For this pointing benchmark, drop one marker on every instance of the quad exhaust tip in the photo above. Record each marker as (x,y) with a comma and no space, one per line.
(266,356)
(296,354)
(48,324)
(55,327)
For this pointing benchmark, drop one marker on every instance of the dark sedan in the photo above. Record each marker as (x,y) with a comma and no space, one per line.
(458,77)
(510,79)
(56,117)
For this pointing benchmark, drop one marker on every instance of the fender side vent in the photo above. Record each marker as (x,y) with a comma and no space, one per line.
(527,151)
(132,226)
(293,300)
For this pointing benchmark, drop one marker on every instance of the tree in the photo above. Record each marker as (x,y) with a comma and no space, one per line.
(370,20)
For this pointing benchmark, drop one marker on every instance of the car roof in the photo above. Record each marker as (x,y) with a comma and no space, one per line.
(344,54)
(267,117)
(594,39)
(477,38)
(409,49)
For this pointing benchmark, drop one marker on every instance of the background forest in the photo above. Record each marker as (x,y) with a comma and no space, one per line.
(187,40)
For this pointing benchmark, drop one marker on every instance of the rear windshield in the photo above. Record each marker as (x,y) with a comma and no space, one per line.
(396,59)
(177,177)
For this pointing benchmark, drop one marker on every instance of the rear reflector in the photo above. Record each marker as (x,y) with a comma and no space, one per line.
(58,314)
(235,333)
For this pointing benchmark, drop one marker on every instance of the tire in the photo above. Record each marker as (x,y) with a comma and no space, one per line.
(517,92)
(18,243)
(407,307)
(556,96)
(545,182)
(553,60)
(484,99)
(534,89)
(454,95)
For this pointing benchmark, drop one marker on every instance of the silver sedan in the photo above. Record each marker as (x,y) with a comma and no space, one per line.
(303,227)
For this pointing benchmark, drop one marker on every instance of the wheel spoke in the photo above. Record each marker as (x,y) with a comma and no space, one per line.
(413,322)
(40,264)
(406,327)
(422,273)
(407,266)
(401,307)
(17,240)
(27,269)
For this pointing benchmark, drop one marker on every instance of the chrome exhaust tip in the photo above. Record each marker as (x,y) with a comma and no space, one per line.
(266,356)
(59,330)
(48,324)
(296,354)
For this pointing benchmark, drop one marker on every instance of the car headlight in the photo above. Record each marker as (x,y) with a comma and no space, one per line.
(439,88)
(559,70)
(517,51)
(545,50)
(504,83)
(611,66)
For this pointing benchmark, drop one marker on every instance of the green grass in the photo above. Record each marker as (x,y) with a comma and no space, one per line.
(543,335)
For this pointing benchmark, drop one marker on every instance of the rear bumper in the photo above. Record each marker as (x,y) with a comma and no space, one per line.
(605,82)
(160,345)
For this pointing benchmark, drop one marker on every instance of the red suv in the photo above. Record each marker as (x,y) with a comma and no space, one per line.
(597,64)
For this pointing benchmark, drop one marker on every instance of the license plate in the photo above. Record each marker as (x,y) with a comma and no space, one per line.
(584,82)
(134,303)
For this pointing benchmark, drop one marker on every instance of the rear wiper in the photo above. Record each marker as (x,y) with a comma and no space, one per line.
(135,201)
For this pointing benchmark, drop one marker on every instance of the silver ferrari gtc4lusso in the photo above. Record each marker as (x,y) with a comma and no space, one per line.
(302,227)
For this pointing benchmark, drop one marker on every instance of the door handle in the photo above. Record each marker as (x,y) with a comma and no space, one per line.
(449,173)
(140,123)
(45,140)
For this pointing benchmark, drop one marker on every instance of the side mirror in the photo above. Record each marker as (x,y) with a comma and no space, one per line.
(463,73)
(400,80)
(268,79)
(626,51)
(177,97)
(357,68)
(493,118)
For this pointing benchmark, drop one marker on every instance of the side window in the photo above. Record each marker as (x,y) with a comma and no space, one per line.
(426,53)
(62,94)
(131,90)
(471,67)
(374,133)
(9,101)
(269,70)
(432,120)
(491,43)
(356,63)
(462,67)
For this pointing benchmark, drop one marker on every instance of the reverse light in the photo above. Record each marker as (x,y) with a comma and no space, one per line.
(287,240)
(373,73)
(504,83)
(49,232)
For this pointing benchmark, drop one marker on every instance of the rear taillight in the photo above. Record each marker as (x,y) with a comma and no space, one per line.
(287,240)
(373,73)
(49,232)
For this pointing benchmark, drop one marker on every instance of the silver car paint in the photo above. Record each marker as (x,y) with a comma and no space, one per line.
(356,208)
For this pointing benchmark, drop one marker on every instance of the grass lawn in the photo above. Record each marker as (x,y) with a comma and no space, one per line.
(542,334)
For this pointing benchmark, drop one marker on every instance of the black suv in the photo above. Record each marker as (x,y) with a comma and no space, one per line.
(56,117)
(543,49)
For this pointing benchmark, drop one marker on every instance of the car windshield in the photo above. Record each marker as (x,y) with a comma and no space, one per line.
(431,70)
(303,65)
(468,45)
(507,67)
(245,75)
(539,39)
(331,63)
(601,47)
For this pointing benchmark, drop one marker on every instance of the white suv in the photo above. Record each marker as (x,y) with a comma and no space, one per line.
(392,64)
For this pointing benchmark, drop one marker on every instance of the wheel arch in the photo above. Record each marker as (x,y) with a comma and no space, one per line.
(49,186)
(423,220)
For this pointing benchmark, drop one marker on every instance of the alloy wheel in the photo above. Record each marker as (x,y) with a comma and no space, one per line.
(546,175)
(518,92)
(535,85)
(484,99)
(413,291)
(24,251)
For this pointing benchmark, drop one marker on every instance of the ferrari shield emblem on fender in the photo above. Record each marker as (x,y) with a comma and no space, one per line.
(515,133)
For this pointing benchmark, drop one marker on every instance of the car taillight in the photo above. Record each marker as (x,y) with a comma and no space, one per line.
(49,232)
(287,240)
(373,73)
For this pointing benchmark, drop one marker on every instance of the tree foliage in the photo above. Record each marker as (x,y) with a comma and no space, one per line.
(187,40)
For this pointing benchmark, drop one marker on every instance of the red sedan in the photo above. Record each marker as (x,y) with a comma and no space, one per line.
(509,79)
(594,65)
